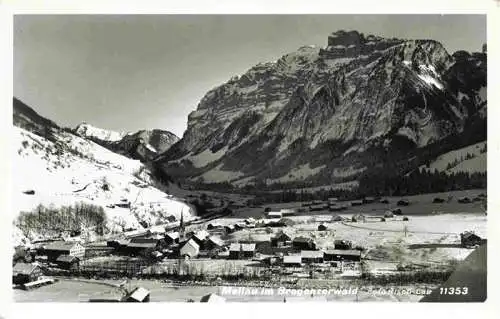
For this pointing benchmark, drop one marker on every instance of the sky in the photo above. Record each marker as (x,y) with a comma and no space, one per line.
(133,72)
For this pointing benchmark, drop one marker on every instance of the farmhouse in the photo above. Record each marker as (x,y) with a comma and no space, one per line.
(468,239)
(274,215)
(189,248)
(288,211)
(172,238)
(292,261)
(322,227)
(403,202)
(340,255)
(356,203)
(199,237)
(241,251)
(55,249)
(212,298)
(139,294)
(281,239)
(318,207)
(229,229)
(214,225)
(24,273)
(368,200)
(250,220)
(138,246)
(68,262)
(342,244)
(213,242)
(303,243)
(311,256)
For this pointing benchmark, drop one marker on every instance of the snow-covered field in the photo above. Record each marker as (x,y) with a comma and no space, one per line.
(76,170)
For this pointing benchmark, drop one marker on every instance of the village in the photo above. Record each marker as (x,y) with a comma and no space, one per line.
(299,245)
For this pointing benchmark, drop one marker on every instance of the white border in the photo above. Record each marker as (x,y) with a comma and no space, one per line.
(9,309)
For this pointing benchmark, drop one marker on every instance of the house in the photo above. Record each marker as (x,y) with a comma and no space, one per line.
(403,202)
(229,229)
(55,249)
(469,239)
(384,201)
(171,238)
(189,249)
(199,237)
(138,246)
(318,207)
(23,273)
(68,262)
(438,200)
(292,261)
(214,225)
(356,203)
(340,255)
(342,244)
(250,220)
(213,242)
(281,239)
(368,200)
(171,218)
(332,200)
(311,256)
(464,200)
(212,298)
(157,229)
(397,211)
(274,215)
(388,214)
(239,226)
(322,227)
(139,294)
(303,243)
(241,251)
(288,211)
(336,218)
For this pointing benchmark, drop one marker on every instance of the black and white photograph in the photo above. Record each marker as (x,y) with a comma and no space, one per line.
(222,158)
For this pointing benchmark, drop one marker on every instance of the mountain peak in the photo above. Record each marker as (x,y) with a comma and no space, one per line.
(88,130)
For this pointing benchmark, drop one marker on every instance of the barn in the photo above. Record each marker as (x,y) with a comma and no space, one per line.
(68,262)
(171,238)
(303,243)
(241,251)
(292,261)
(281,239)
(190,249)
(311,256)
(58,248)
(342,244)
(23,273)
(341,255)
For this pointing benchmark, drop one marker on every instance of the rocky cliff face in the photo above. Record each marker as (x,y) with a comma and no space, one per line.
(326,115)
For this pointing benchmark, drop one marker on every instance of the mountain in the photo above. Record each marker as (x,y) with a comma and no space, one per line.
(143,145)
(54,167)
(319,116)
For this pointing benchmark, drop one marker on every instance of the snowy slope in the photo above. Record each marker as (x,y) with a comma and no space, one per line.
(456,161)
(70,169)
(88,130)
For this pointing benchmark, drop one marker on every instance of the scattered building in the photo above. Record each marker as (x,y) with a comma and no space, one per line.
(24,273)
(336,218)
(303,243)
(292,261)
(171,238)
(403,202)
(388,214)
(56,249)
(189,249)
(322,227)
(318,207)
(288,212)
(281,239)
(241,251)
(438,200)
(368,200)
(469,239)
(214,225)
(332,200)
(342,244)
(199,237)
(397,211)
(464,200)
(356,203)
(311,256)
(68,262)
(384,201)
(229,229)
(274,215)
(341,255)
(139,294)
(213,242)
(212,298)
(138,246)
